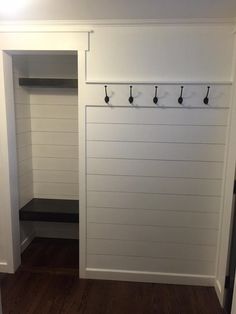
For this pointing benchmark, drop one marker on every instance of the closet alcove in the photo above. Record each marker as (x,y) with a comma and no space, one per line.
(46,109)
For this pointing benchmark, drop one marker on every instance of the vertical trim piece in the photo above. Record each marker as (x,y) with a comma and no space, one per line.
(223,248)
(82,160)
(8,156)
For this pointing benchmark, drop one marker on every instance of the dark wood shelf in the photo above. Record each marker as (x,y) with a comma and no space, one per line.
(51,210)
(48,82)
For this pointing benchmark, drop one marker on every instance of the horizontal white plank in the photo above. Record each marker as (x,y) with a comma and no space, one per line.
(52,138)
(23,125)
(156,116)
(55,164)
(23,139)
(56,196)
(152,201)
(150,264)
(56,151)
(153,218)
(54,125)
(205,237)
(56,188)
(155,168)
(163,151)
(153,250)
(156,133)
(54,96)
(54,112)
(56,176)
(154,185)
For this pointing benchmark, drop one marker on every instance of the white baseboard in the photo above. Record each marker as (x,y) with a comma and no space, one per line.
(3,267)
(141,276)
(219,292)
(26,242)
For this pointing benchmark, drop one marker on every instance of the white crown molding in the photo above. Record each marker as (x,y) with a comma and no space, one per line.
(85,25)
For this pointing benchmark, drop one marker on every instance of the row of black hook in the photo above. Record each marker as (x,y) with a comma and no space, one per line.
(155,98)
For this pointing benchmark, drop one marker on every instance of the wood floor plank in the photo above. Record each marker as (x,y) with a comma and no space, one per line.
(48,283)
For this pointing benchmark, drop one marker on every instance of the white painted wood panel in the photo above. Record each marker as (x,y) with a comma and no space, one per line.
(55,164)
(168,95)
(54,138)
(54,125)
(163,151)
(167,219)
(154,184)
(200,237)
(54,111)
(46,176)
(156,133)
(134,115)
(137,184)
(55,151)
(56,188)
(53,96)
(56,196)
(162,52)
(152,250)
(153,201)
(54,129)
(179,169)
(23,131)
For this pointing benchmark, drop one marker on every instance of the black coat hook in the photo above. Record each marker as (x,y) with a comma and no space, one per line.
(131,98)
(180,99)
(155,99)
(106,97)
(206,99)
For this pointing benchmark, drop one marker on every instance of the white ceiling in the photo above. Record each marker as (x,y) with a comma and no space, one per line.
(122,9)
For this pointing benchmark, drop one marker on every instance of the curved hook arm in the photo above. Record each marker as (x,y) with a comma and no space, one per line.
(180,99)
(106,99)
(131,98)
(155,99)
(206,99)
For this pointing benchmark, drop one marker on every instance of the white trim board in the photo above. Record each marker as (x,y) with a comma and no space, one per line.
(118,22)
(152,277)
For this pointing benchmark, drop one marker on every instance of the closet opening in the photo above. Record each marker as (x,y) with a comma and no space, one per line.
(46,115)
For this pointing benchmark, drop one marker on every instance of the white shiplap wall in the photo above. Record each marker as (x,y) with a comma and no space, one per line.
(24,148)
(154,187)
(54,129)
(47,139)
(23,131)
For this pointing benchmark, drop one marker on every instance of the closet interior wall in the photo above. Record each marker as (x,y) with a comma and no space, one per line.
(47,139)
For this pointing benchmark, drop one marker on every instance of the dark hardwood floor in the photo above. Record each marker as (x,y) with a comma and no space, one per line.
(48,282)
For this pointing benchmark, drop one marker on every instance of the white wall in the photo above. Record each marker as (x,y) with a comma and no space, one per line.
(120,56)
(160,53)
(54,129)
(165,53)
(47,140)
(24,145)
